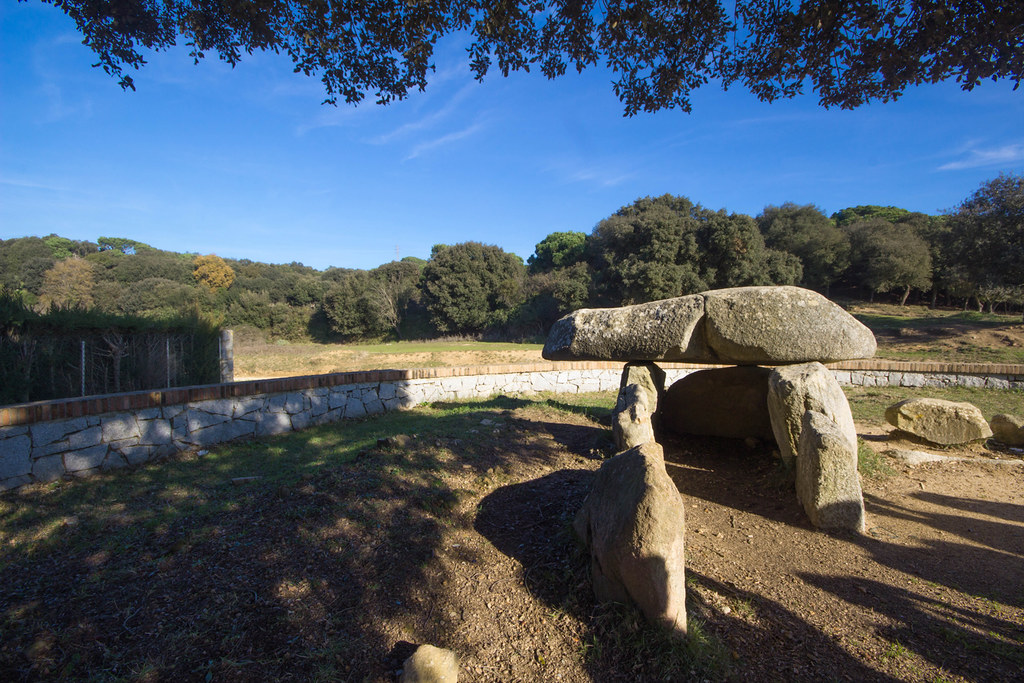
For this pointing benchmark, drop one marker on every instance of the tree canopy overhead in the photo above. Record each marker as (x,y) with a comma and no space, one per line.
(849,52)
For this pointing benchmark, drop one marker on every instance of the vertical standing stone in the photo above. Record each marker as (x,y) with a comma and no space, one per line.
(633,523)
(827,483)
(631,421)
(795,389)
(640,390)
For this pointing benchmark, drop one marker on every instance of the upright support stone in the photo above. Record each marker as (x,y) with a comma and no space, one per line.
(633,524)
(640,391)
(648,376)
(827,483)
(795,389)
(631,421)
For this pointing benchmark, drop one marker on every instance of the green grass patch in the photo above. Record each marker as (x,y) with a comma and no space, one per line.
(119,506)
(869,403)
(871,464)
(960,354)
(922,318)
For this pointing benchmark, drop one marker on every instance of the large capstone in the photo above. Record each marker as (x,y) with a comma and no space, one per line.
(777,325)
(632,521)
(743,325)
(938,421)
(658,330)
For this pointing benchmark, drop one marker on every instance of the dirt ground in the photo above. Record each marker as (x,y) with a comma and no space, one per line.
(461,538)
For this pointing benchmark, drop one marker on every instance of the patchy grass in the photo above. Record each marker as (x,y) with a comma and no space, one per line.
(918,333)
(325,554)
(263,560)
(870,463)
(869,403)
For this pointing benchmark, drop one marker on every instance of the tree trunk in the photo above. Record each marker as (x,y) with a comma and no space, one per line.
(906,293)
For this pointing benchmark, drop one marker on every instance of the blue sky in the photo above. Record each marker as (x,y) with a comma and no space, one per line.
(247,163)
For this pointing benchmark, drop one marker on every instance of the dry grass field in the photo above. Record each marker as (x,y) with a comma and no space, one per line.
(909,333)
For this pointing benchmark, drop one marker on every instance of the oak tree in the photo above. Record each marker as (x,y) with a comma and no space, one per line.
(849,52)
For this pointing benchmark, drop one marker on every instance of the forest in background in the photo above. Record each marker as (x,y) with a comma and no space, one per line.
(654,248)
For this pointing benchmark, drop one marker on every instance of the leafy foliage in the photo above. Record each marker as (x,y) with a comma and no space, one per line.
(41,354)
(887,257)
(660,51)
(212,271)
(987,235)
(469,287)
(650,249)
(808,234)
(68,284)
(856,214)
(668,246)
(558,250)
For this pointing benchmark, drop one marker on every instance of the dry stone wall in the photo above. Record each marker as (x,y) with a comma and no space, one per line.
(48,450)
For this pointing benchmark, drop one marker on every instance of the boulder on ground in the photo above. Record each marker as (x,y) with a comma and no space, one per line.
(827,483)
(795,389)
(742,325)
(431,664)
(631,421)
(658,330)
(730,402)
(774,325)
(937,421)
(633,524)
(1008,429)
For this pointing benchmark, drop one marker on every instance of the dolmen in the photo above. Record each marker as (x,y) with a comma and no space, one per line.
(775,340)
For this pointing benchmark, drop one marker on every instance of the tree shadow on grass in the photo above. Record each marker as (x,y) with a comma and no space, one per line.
(271,560)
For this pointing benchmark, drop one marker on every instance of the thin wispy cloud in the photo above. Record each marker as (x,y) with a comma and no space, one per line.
(444,140)
(599,176)
(977,157)
(330,117)
(597,173)
(427,121)
(29,184)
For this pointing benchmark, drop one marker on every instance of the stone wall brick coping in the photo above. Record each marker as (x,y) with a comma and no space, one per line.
(44,411)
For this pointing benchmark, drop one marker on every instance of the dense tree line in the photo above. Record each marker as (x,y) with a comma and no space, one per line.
(971,256)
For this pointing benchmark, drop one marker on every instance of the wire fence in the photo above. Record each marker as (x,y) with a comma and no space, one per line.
(40,364)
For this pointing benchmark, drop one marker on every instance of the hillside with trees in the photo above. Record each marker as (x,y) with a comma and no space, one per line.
(656,247)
